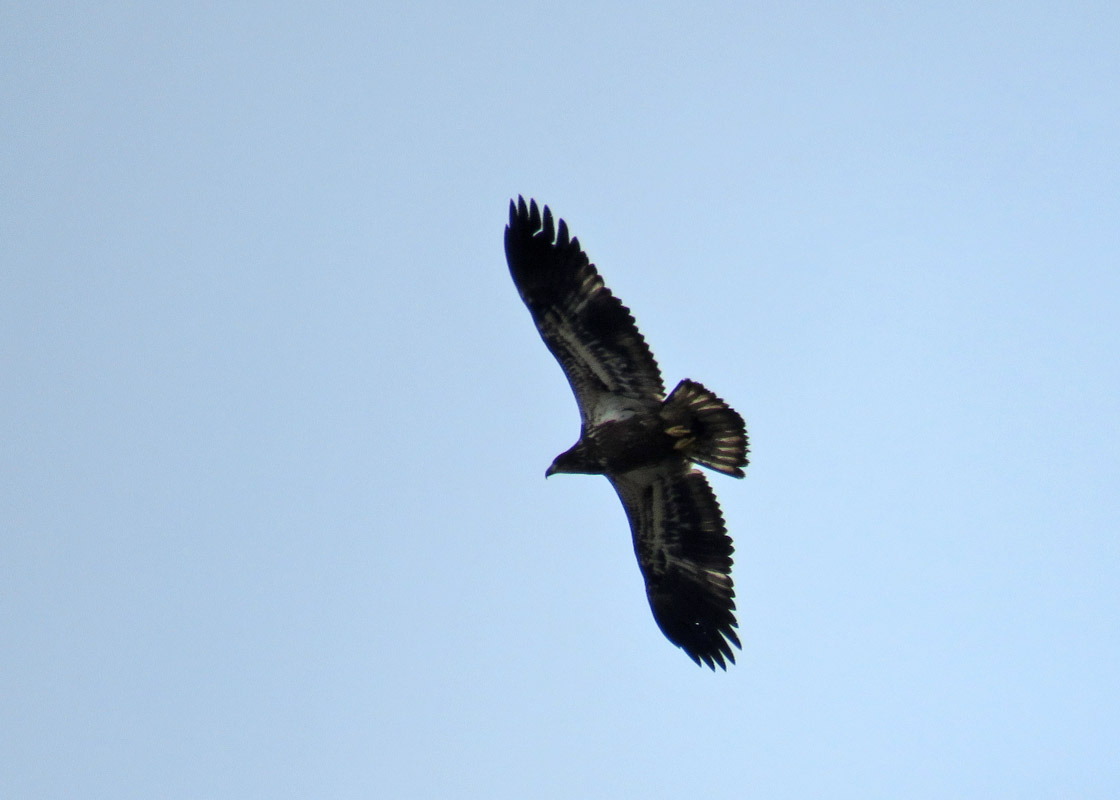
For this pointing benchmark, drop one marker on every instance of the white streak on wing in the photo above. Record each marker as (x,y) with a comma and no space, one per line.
(590,287)
(612,408)
(576,347)
(718,578)
(659,521)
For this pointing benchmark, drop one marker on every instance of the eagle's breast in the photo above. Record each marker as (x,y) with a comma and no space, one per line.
(630,443)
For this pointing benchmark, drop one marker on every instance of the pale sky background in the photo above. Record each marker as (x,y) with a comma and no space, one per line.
(275,422)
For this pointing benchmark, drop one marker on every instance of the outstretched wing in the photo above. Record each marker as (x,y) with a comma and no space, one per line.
(684,553)
(588,329)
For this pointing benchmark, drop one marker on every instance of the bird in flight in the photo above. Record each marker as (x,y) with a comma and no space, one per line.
(643,442)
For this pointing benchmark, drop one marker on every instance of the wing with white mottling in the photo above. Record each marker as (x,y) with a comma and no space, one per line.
(684,553)
(589,331)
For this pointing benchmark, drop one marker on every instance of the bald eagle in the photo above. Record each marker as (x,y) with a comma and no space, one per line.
(643,442)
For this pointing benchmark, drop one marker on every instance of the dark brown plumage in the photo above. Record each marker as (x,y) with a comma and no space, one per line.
(644,443)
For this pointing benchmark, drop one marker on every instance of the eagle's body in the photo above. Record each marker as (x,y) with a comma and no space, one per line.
(619,445)
(643,442)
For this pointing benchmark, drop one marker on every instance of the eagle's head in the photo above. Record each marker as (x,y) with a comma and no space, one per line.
(574,460)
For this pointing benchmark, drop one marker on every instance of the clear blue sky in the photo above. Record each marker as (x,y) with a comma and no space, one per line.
(273,515)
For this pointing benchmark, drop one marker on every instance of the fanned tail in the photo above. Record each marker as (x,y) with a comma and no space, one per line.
(707,430)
